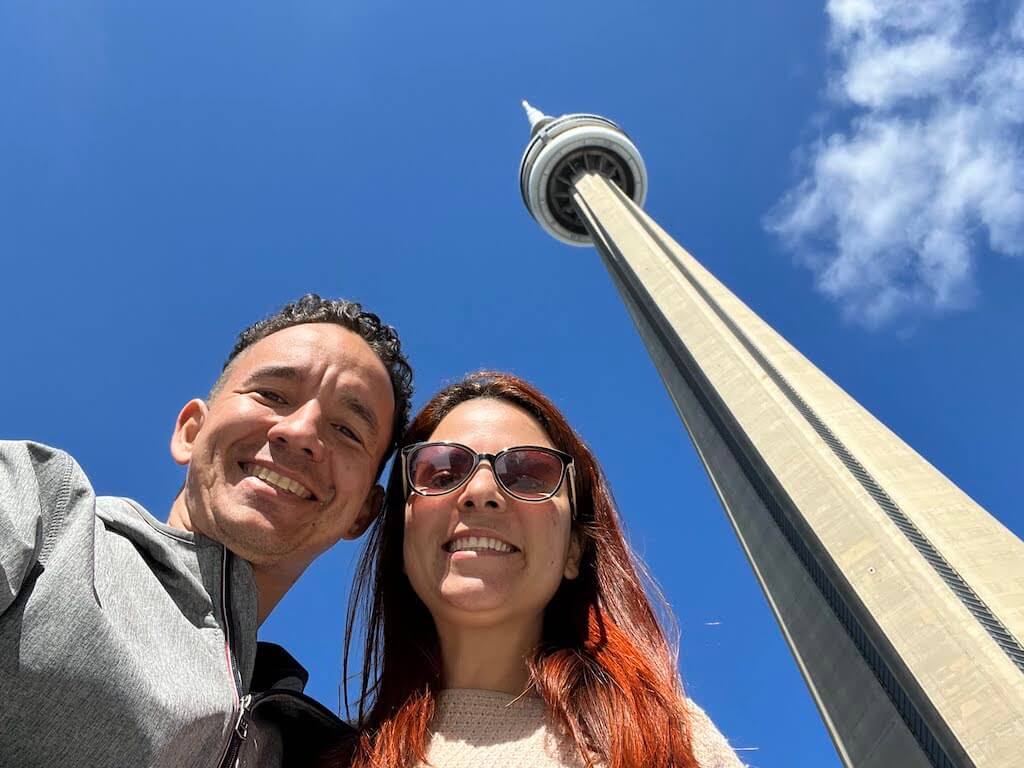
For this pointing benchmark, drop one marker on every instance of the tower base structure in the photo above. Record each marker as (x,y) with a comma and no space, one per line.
(901,599)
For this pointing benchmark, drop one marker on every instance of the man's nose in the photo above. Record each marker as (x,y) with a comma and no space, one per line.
(300,430)
(482,491)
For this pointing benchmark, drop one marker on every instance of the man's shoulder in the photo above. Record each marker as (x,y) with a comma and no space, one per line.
(41,489)
(50,480)
(46,486)
(44,492)
(29,448)
(39,484)
(24,462)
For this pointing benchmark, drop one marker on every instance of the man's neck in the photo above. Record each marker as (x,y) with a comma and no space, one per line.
(272,582)
(271,585)
(179,517)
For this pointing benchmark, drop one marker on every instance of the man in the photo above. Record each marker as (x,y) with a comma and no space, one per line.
(125,641)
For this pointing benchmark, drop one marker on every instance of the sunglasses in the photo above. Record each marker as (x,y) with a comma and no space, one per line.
(526,472)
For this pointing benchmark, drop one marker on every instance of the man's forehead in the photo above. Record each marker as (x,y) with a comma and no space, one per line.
(311,348)
(311,343)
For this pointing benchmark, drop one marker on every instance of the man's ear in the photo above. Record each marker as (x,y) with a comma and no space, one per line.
(186,428)
(372,507)
(573,557)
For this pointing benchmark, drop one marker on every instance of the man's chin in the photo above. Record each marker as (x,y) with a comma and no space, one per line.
(268,531)
(260,551)
(258,535)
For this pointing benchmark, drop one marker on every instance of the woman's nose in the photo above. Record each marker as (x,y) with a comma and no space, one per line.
(482,490)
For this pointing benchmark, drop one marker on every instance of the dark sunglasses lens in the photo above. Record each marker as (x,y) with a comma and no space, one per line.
(529,473)
(439,468)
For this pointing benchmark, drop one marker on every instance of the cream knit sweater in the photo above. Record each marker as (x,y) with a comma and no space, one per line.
(485,728)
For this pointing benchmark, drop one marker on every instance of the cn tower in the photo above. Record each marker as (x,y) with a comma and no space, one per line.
(901,599)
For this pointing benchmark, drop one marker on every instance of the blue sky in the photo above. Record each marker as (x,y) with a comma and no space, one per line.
(852,172)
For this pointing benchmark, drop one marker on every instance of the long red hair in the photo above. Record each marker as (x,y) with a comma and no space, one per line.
(605,668)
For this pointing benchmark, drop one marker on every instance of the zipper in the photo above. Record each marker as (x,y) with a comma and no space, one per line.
(319,724)
(238,733)
(242,723)
(241,703)
(225,610)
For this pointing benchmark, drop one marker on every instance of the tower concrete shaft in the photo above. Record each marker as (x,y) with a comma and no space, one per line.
(901,599)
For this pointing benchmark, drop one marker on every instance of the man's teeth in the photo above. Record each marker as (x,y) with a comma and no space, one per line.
(478,544)
(284,483)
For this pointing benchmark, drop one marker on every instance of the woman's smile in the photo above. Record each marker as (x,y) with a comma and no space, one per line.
(501,557)
(479,543)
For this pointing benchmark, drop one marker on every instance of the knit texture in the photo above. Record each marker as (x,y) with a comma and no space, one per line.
(488,728)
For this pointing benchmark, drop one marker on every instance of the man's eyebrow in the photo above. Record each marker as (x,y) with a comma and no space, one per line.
(352,402)
(361,410)
(273,372)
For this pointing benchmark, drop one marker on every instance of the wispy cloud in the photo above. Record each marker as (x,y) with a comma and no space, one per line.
(928,170)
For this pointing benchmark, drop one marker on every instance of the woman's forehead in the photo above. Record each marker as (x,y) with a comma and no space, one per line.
(488,425)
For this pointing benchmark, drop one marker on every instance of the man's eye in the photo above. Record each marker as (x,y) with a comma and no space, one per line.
(347,432)
(273,397)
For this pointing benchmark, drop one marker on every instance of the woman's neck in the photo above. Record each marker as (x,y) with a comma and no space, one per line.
(488,658)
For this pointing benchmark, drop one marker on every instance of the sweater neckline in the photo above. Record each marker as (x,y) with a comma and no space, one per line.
(487,699)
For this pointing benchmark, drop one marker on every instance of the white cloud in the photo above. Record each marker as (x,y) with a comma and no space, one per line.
(894,209)
(880,73)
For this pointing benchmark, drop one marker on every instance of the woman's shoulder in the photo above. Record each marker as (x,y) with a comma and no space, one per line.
(710,747)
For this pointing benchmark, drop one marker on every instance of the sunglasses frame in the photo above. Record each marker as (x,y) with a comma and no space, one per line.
(568,468)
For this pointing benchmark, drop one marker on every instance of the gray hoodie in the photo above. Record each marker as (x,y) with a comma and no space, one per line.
(124,642)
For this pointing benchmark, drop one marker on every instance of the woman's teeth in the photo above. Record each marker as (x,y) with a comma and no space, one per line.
(274,479)
(478,544)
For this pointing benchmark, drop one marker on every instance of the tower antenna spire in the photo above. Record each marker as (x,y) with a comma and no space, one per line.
(537,118)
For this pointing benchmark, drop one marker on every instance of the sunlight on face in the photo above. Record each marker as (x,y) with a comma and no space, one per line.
(287,453)
(491,586)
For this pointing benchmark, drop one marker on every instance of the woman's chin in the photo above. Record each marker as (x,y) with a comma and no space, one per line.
(473,596)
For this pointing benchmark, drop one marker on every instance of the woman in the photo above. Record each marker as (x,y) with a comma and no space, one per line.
(505,615)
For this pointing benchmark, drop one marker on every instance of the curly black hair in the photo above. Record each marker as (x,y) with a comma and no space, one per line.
(382,339)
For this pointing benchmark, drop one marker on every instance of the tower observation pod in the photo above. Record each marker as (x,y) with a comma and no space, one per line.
(563,148)
(901,599)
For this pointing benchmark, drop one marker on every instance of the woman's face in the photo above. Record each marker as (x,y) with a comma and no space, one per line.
(488,587)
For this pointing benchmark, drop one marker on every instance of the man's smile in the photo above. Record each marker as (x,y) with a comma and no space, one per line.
(277,480)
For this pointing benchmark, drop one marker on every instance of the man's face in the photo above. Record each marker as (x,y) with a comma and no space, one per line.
(282,460)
